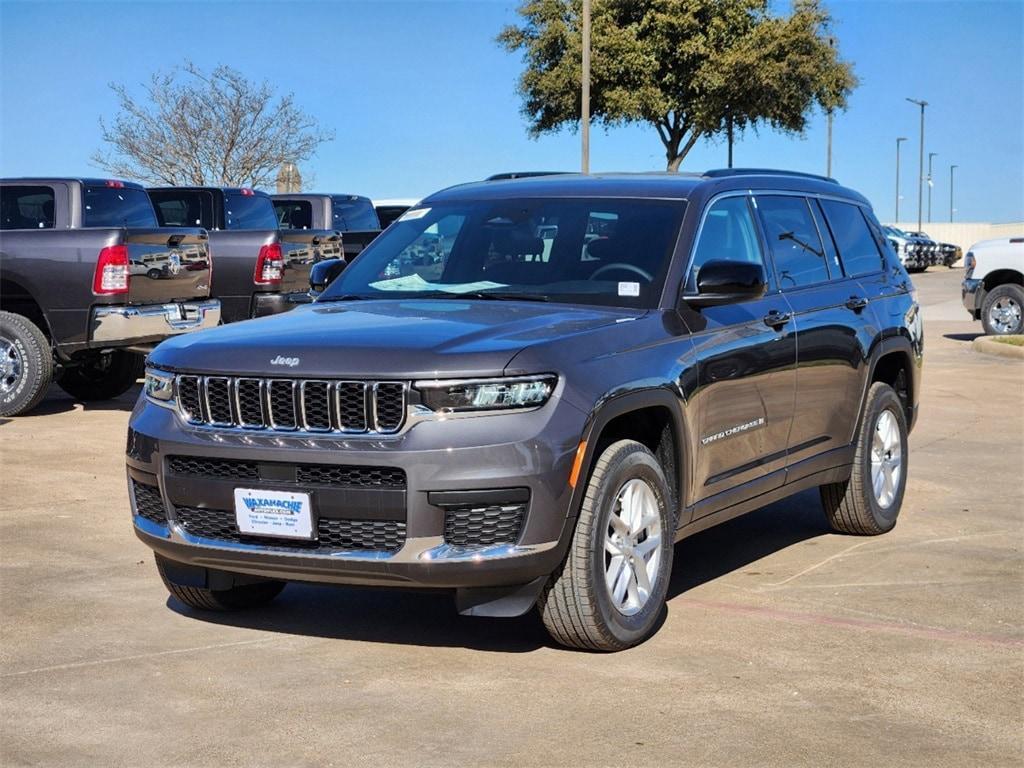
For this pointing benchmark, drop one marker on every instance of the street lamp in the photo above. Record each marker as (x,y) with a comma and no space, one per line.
(899,141)
(585,95)
(951,169)
(920,173)
(930,184)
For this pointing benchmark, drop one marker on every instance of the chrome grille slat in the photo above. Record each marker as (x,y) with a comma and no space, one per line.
(318,406)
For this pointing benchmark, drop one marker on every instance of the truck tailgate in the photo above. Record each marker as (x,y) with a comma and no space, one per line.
(167,264)
(301,248)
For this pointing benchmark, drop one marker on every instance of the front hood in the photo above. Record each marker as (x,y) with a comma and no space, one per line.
(402,339)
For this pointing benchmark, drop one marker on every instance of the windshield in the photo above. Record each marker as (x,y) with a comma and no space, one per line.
(248,211)
(610,252)
(117,207)
(896,232)
(353,213)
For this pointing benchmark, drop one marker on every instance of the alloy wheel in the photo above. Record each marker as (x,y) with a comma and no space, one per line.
(886,459)
(632,547)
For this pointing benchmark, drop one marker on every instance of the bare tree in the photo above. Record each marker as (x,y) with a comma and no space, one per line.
(215,128)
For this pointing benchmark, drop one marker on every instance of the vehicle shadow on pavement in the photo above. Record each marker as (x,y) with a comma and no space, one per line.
(58,401)
(968,337)
(734,545)
(428,618)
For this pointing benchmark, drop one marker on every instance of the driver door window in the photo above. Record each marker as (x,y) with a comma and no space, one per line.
(728,234)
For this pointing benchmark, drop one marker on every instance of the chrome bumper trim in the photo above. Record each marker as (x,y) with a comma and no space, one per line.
(121,324)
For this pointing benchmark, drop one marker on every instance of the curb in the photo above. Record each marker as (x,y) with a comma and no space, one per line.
(986,346)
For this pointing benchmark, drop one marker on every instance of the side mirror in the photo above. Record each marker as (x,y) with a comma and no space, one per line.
(727,282)
(323,273)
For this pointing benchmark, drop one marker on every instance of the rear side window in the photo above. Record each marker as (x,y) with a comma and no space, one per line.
(26,207)
(117,207)
(728,234)
(857,248)
(351,212)
(294,214)
(249,211)
(793,240)
(183,207)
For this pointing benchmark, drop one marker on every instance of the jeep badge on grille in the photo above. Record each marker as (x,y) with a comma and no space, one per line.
(291,362)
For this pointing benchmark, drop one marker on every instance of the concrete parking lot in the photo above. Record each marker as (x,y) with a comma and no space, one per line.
(782,645)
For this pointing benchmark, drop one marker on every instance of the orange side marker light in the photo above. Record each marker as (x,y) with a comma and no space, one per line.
(577,464)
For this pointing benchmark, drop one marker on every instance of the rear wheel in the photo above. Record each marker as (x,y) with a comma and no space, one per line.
(232,599)
(610,591)
(1002,312)
(869,502)
(103,377)
(26,364)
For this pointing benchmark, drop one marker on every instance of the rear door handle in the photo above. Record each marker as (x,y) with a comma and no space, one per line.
(856,303)
(776,319)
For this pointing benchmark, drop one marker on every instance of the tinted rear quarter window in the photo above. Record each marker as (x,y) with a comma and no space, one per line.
(26,207)
(294,214)
(857,247)
(793,240)
(249,211)
(353,213)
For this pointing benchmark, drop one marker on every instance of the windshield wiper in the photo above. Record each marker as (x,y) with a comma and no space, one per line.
(484,295)
(344,297)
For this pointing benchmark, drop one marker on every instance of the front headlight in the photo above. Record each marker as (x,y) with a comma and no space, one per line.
(159,385)
(487,394)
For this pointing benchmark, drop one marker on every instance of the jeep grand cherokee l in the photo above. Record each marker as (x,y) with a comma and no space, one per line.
(525,391)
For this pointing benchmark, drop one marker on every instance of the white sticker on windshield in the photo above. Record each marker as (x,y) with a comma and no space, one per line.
(629,289)
(414,213)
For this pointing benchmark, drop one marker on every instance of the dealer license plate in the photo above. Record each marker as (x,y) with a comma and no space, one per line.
(273,513)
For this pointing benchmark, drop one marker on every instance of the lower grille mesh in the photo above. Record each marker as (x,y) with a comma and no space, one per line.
(148,503)
(333,535)
(480,526)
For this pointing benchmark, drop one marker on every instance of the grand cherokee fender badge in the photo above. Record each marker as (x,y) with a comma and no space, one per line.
(758,422)
(291,362)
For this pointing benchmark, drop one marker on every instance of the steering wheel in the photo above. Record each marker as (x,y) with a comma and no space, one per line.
(627,267)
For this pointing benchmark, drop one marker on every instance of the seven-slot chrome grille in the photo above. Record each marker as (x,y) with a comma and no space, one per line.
(309,405)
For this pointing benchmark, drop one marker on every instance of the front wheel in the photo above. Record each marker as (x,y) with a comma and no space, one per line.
(1002,312)
(609,593)
(103,377)
(869,502)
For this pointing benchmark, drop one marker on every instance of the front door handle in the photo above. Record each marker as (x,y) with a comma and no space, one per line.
(856,303)
(776,319)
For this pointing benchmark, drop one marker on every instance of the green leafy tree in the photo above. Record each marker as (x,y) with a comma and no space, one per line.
(691,68)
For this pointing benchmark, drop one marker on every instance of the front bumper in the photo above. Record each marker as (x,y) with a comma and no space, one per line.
(139,324)
(972,293)
(478,456)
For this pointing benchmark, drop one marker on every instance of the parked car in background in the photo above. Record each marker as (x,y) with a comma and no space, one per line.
(89,282)
(352,215)
(993,286)
(915,253)
(944,254)
(259,267)
(536,417)
(389,210)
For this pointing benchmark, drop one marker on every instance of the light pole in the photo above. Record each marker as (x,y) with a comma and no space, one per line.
(899,141)
(920,171)
(585,117)
(951,169)
(930,184)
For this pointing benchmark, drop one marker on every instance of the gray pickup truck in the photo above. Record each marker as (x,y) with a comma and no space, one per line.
(353,215)
(260,268)
(88,282)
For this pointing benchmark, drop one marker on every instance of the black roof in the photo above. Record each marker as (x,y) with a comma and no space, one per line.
(664,185)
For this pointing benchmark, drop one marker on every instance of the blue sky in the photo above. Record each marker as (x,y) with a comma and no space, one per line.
(421,97)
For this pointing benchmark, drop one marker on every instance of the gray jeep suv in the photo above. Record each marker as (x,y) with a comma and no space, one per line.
(526,391)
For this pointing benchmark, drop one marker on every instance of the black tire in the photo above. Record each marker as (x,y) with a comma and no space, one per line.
(27,365)
(1011,296)
(575,605)
(233,599)
(851,506)
(103,377)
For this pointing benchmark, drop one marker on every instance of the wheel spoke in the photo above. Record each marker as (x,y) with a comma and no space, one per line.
(648,545)
(642,580)
(620,525)
(622,582)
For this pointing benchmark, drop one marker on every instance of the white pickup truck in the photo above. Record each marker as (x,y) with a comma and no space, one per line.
(993,288)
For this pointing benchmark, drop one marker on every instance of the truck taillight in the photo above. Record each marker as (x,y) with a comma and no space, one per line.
(269,265)
(112,273)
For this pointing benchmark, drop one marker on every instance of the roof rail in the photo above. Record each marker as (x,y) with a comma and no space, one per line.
(718,173)
(523,175)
